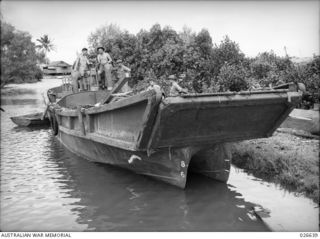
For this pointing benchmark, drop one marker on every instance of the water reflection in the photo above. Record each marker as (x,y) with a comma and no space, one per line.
(20,101)
(113,199)
(15,91)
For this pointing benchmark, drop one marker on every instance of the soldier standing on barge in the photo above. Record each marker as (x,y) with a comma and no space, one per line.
(104,60)
(81,67)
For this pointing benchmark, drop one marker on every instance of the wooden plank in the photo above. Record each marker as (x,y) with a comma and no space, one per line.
(306,120)
(299,133)
(115,89)
(67,112)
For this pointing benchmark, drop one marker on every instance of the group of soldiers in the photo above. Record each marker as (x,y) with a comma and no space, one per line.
(105,74)
(175,88)
(102,73)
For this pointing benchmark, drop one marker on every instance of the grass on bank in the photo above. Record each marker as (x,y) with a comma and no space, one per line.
(291,161)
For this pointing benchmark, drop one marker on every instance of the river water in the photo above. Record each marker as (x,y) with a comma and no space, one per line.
(44,187)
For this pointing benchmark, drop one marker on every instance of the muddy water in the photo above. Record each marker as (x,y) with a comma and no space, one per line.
(45,187)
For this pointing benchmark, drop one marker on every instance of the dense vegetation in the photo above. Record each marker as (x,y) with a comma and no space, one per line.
(19,57)
(159,52)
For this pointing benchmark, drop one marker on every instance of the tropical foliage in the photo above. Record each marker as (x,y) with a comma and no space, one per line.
(159,52)
(45,47)
(18,56)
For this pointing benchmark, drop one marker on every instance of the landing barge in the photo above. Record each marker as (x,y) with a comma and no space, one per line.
(164,138)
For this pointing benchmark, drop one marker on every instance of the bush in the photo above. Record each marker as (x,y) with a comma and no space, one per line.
(38,74)
(232,78)
(18,56)
(160,52)
(311,77)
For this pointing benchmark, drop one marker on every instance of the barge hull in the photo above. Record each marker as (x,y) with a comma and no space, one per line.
(169,165)
(162,138)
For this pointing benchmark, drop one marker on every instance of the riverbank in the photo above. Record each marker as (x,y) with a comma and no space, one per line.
(287,159)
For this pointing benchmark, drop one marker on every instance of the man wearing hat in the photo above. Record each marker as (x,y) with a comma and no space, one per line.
(81,67)
(104,60)
(175,88)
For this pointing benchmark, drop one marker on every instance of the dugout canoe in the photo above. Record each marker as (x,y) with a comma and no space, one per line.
(40,118)
(164,138)
(30,120)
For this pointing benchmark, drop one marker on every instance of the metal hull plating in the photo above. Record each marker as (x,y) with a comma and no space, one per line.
(169,165)
(162,138)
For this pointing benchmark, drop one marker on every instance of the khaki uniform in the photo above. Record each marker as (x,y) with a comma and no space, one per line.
(175,89)
(104,61)
(80,68)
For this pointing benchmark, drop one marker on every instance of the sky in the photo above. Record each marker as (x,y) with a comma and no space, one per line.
(257,26)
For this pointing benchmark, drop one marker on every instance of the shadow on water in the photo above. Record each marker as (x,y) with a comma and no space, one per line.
(113,199)
(21,129)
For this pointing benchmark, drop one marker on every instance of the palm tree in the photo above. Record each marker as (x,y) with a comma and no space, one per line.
(46,45)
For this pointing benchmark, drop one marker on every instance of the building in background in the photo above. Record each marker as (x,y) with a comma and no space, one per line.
(57,68)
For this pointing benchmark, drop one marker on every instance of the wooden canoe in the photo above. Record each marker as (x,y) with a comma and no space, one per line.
(164,138)
(31,120)
(40,118)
